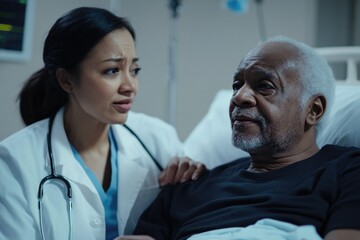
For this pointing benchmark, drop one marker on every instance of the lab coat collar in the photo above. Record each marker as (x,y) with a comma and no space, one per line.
(65,162)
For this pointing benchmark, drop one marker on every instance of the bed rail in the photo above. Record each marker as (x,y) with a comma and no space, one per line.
(350,55)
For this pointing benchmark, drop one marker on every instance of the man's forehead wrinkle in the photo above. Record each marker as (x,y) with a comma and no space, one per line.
(272,58)
(257,64)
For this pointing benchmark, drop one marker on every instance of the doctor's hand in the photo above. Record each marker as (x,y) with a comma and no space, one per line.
(134,237)
(181,170)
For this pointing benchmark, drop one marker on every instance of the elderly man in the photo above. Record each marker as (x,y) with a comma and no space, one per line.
(281,91)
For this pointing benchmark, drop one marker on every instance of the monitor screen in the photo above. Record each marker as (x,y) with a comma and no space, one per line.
(16,24)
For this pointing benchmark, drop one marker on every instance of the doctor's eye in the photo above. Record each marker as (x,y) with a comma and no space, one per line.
(134,72)
(111,71)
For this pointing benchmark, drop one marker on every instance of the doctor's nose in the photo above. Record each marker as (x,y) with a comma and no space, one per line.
(128,84)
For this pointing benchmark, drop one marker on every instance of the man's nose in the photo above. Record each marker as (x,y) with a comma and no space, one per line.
(245,96)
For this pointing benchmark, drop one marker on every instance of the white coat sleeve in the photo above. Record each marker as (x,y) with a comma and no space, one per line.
(16,219)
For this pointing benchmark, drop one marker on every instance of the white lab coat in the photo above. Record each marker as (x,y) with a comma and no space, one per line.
(24,162)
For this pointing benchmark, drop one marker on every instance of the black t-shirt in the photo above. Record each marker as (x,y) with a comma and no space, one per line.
(323,190)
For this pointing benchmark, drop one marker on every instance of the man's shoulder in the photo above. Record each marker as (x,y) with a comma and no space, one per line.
(221,171)
(235,164)
(338,151)
(341,157)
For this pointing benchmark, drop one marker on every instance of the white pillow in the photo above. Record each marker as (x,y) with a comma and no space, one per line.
(210,141)
(343,126)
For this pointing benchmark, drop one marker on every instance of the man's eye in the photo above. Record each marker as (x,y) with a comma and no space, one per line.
(111,71)
(236,87)
(266,86)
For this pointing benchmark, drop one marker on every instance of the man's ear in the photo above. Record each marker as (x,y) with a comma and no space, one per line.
(64,79)
(317,107)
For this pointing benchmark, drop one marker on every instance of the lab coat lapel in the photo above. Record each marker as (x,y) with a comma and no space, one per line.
(87,205)
(65,162)
(131,175)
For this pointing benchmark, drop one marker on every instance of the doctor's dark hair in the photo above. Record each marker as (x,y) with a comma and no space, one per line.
(69,41)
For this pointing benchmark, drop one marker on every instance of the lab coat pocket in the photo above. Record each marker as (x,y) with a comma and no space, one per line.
(144,199)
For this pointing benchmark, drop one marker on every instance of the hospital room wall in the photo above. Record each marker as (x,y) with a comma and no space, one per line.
(211,43)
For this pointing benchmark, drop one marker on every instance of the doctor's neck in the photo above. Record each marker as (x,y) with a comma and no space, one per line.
(85,132)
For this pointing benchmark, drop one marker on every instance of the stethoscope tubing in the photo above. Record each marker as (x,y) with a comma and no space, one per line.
(54,176)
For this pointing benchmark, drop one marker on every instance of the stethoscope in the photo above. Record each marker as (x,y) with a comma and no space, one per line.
(57,177)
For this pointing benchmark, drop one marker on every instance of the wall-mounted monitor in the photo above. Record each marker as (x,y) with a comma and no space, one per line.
(16,27)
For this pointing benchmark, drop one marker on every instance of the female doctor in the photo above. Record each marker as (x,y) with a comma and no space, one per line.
(77,172)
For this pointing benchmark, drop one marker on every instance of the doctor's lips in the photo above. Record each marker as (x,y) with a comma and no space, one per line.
(123,106)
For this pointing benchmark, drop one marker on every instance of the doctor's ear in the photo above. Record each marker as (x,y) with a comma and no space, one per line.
(64,79)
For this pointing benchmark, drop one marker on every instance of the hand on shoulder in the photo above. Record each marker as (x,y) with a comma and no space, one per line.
(181,169)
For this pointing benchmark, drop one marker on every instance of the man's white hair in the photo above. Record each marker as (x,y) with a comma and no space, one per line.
(315,74)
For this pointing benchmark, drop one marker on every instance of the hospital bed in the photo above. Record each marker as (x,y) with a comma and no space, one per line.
(210,141)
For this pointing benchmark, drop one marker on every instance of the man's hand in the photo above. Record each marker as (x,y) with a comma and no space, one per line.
(134,237)
(181,170)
